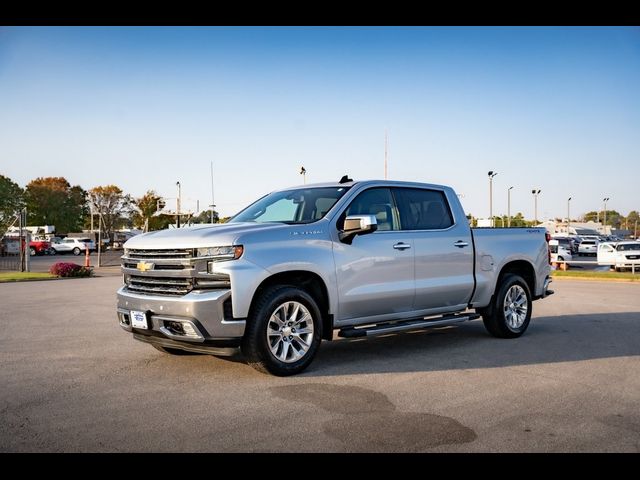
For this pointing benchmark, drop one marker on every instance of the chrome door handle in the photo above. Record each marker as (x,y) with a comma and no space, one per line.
(461,244)
(401,246)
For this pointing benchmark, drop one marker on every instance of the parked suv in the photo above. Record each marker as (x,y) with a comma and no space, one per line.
(72,245)
(588,247)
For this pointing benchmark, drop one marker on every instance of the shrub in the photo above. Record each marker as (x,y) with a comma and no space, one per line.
(65,269)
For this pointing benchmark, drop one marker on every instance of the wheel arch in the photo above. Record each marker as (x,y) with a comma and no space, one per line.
(310,282)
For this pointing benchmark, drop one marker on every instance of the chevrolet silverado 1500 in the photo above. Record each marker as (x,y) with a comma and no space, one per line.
(358,258)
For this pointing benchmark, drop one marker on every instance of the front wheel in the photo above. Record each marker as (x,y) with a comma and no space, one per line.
(510,313)
(283,331)
(32,251)
(76,251)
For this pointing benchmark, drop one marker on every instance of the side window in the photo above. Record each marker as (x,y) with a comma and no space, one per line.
(423,209)
(375,201)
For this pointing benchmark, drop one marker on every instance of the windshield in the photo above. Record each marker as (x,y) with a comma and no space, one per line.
(302,205)
(628,246)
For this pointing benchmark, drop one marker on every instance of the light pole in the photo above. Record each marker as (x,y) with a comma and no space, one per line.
(509,207)
(178,205)
(568,215)
(605,200)
(303,172)
(491,175)
(535,204)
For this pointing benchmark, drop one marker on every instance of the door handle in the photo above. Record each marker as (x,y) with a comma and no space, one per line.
(461,244)
(401,246)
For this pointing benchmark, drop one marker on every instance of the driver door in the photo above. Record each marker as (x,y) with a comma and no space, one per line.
(375,273)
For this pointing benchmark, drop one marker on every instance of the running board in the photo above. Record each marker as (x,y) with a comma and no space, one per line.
(380,329)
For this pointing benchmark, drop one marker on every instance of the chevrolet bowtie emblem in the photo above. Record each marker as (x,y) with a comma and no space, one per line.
(144,266)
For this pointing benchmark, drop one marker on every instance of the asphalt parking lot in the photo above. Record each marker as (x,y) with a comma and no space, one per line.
(73,381)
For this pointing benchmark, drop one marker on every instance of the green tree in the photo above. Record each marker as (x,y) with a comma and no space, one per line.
(143,217)
(53,201)
(519,221)
(112,205)
(11,201)
(632,221)
(205,217)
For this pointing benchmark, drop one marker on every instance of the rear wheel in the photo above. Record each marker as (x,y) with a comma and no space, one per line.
(510,313)
(283,331)
(53,251)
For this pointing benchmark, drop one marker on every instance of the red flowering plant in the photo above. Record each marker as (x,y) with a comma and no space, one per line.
(66,269)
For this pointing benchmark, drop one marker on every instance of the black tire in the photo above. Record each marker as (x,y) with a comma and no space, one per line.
(76,251)
(32,251)
(257,347)
(495,318)
(53,251)
(173,351)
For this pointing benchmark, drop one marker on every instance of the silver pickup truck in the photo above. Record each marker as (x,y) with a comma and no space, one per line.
(359,257)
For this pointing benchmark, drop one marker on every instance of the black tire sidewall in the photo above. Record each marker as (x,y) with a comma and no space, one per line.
(76,251)
(507,282)
(255,345)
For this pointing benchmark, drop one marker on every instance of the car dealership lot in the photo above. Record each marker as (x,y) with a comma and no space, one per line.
(72,380)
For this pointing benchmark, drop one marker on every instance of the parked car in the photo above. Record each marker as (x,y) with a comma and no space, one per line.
(568,243)
(620,256)
(559,252)
(39,247)
(588,247)
(76,246)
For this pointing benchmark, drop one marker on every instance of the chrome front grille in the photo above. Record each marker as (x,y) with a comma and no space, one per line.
(172,272)
(165,253)
(159,285)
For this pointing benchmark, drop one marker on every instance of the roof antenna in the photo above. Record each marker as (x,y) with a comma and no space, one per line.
(345,179)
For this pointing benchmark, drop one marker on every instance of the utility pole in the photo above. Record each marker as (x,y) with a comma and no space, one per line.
(568,214)
(605,200)
(212,201)
(386,152)
(491,175)
(535,193)
(178,204)
(509,207)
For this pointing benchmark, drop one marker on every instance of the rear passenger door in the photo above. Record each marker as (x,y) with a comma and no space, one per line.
(443,249)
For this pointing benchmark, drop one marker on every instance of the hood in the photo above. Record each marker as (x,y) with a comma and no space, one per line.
(200,236)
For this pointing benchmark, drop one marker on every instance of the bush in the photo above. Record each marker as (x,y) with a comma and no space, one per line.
(65,269)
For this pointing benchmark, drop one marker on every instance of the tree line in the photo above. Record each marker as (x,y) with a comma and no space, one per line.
(54,201)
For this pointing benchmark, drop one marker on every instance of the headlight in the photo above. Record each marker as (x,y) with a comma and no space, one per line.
(232,252)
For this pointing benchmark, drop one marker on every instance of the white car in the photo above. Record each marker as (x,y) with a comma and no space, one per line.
(77,246)
(559,253)
(619,255)
(588,247)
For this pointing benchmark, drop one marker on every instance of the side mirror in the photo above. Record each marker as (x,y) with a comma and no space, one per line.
(357,225)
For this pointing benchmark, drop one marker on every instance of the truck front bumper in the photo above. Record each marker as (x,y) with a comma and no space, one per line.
(194,322)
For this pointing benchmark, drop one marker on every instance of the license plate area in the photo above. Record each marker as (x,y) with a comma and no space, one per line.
(139,320)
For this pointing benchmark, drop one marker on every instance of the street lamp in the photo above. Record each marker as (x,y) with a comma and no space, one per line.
(535,203)
(568,214)
(509,207)
(178,205)
(605,200)
(491,175)
(303,172)
(212,209)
